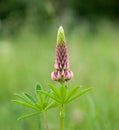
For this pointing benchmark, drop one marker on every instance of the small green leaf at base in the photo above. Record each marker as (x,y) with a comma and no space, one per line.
(21,97)
(38,88)
(28,115)
(51,96)
(25,104)
(79,94)
(55,90)
(29,98)
(52,105)
(72,92)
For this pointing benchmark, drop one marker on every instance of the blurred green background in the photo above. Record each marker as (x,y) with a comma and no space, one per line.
(27,55)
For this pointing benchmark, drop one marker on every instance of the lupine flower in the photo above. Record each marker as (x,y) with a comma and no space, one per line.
(62,72)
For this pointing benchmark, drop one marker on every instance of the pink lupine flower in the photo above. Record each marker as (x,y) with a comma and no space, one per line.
(56,76)
(62,72)
(68,75)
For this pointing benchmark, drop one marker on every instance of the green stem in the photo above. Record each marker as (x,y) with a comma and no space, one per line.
(62,117)
(46,122)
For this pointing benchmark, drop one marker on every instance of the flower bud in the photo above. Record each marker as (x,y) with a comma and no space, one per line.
(60,35)
(55,76)
(68,75)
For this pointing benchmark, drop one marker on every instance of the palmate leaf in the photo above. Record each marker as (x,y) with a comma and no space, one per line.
(26,104)
(28,115)
(79,94)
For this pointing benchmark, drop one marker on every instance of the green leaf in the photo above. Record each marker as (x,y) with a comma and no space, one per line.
(72,92)
(51,96)
(40,97)
(47,98)
(55,90)
(79,94)
(38,105)
(21,97)
(63,92)
(39,94)
(28,115)
(26,104)
(29,98)
(51,105)
(38,88)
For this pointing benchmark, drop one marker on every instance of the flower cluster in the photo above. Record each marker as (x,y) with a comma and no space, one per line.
(62,72)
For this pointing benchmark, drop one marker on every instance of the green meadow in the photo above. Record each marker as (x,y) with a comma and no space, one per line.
(29,57)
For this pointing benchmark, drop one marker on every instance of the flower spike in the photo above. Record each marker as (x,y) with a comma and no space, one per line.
(62,72)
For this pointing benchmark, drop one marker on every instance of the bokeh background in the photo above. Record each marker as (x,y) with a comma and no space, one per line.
(27,55)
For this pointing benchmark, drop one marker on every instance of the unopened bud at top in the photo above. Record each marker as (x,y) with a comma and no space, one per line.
(60,35)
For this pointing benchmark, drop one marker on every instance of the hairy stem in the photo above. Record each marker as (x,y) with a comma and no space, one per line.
(62,117)
(46,122)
